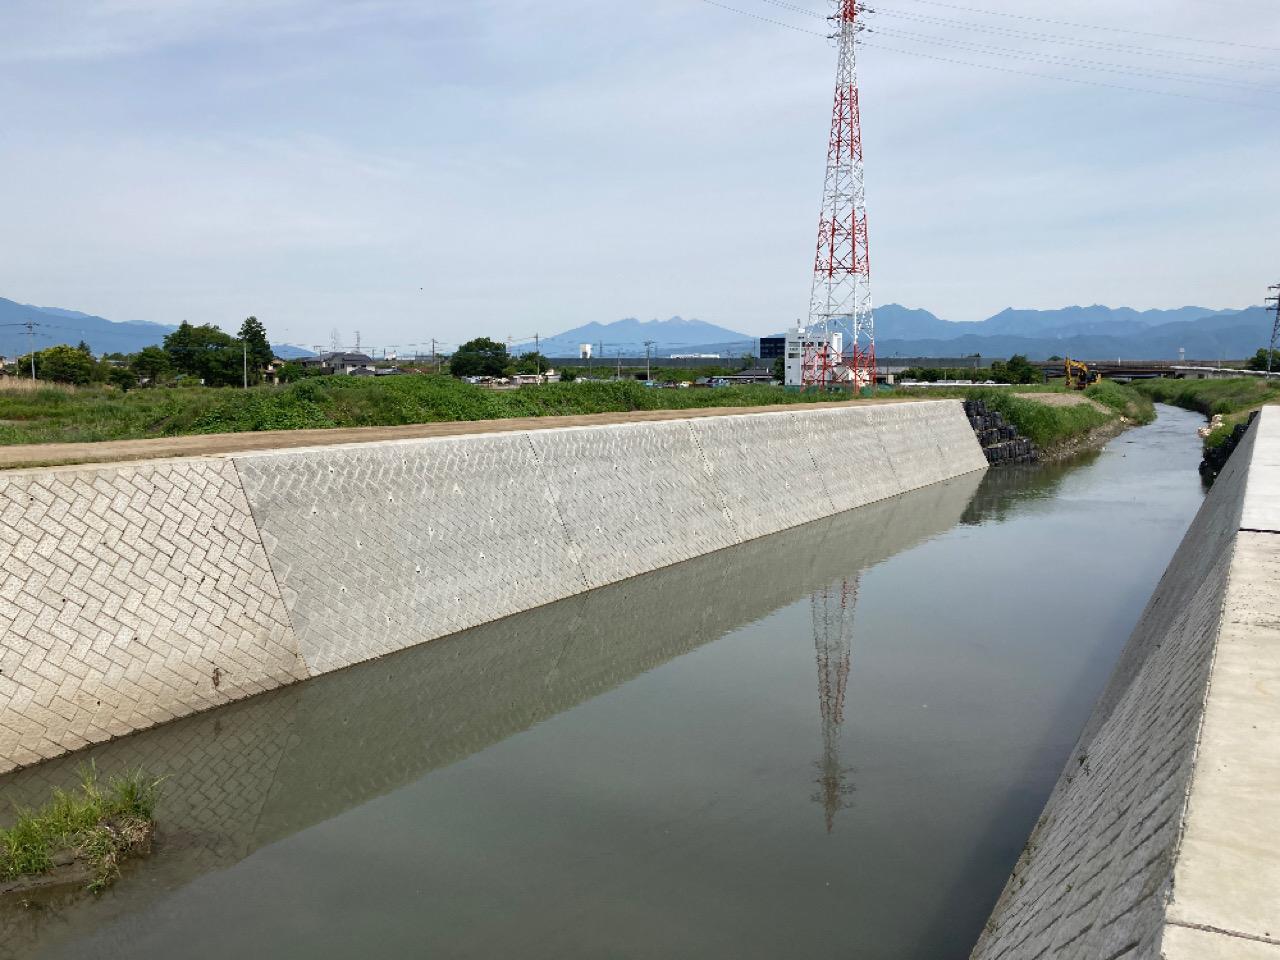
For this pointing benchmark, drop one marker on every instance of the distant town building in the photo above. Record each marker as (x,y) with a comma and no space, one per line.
(339,362)
(771,348)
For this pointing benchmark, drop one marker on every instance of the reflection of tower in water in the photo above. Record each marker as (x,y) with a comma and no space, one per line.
(833,608)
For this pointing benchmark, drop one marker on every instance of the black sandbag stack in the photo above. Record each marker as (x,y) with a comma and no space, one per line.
(999,438)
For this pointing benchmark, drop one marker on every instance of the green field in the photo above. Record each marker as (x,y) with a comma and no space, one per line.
(56,414)
(50,414)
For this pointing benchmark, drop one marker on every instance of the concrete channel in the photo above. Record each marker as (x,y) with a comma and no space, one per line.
(1162,836)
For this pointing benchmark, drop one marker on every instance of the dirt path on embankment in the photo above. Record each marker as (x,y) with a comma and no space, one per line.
(213,444)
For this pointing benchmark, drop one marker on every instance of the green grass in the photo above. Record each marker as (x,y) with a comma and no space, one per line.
(102,413)
(99,824)
(1212,397)
(1232,399)
(1124,400)
(1049,426)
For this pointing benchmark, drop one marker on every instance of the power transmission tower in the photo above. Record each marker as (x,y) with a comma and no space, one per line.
(841,294)
(1275,327)
(833,608)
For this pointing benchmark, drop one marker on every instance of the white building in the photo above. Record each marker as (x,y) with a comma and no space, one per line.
(798,343)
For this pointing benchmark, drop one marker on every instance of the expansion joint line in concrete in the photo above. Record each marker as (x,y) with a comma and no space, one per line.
(826,490)
(1207,928)
(555,505)
(709,472)
(258,528)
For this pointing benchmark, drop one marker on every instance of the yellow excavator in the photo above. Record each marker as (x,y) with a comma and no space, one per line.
(1079,376)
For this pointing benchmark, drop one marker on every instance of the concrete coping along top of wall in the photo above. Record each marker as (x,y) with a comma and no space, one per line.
(1225,899)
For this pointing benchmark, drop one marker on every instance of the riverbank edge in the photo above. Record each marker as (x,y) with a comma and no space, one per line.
(1157,840)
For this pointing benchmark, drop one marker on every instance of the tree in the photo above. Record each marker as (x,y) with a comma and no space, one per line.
(84,348)
(122,377)
(480,357)
(779,369)
(254,337)
(150,363)
(748,361)
(1259,360)
(291,371)
(61,364)
(205,352)
(532,363)
(1018,369)
(568,375)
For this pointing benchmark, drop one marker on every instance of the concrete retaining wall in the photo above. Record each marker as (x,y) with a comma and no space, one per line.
(1160,838)
(133,594)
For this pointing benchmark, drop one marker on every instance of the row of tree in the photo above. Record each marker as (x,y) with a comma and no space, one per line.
(203,353)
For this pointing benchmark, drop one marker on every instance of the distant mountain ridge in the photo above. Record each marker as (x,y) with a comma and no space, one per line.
(54,325)
(1089,332)
(627,338)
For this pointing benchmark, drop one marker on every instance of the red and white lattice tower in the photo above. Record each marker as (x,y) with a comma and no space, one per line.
(841,297)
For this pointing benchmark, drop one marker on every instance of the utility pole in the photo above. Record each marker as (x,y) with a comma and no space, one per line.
(433,354)
(537,355)
(1275,327)
(244,349)
(648,345)
(31,342)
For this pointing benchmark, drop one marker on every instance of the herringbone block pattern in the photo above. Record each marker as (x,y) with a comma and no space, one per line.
(130,595)
(382,546)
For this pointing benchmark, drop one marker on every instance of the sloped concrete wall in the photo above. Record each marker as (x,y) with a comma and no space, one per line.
(1145,785)
(134,594)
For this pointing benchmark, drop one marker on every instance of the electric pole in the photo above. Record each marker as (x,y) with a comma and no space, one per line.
(31,342)
(244,349)
(648,345)
(1275,327)
(537,355)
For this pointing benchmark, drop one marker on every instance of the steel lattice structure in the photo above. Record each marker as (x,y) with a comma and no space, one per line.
(841,296)
(1275,328)
(833,608)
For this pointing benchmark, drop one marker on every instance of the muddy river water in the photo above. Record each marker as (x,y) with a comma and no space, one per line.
(830,742)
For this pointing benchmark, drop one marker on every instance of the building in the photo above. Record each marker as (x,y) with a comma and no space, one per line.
(771,348)
(754,375)
(797,342)
(340,362)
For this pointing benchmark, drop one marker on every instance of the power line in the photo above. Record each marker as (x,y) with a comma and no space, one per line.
(1092,26)
(1058,59)
(1104,45)
(1000,69)
(1076,80)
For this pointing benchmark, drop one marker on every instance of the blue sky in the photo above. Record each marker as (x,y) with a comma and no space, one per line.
(430,168)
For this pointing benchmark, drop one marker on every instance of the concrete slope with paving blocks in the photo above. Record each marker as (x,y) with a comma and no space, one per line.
(1162,836)
(136,593)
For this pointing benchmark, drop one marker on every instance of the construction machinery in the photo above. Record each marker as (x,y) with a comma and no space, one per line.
(1079,375)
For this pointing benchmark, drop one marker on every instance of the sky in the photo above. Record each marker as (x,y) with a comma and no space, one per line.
(413,169)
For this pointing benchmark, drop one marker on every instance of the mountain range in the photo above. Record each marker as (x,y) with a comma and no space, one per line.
(1093,332)
(53,325)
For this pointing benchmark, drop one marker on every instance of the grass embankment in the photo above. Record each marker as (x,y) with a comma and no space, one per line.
(1232,399)
(93,828)
(56,414)
(1051,425)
